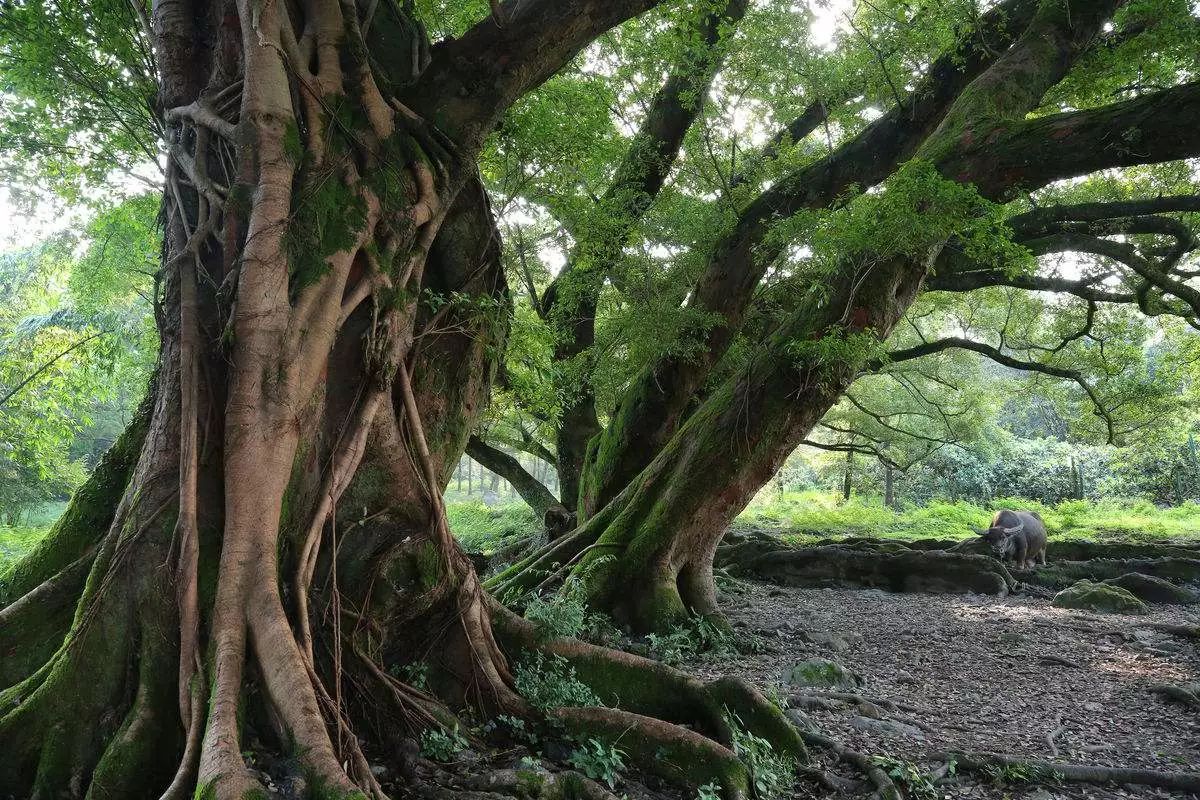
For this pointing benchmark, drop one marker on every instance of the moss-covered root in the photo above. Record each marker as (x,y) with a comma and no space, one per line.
(671,751)
(32,627)
(646,687)
(98,716)
(526,784)
(536,785)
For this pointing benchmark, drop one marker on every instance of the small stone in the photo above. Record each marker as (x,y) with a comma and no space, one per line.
(800,719)
(886,726)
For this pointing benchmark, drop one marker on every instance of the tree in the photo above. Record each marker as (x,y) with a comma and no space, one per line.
(685,449)
(331,305)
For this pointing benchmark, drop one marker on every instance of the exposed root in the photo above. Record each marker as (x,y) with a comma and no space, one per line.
(1188,694)
(1182,631)
(880,708)
(993,764)
(568,785)
(674,752)
(885,789)
(1052,737)
(672,723)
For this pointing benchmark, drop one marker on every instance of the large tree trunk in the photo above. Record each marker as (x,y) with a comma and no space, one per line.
(277,546)
(651,410)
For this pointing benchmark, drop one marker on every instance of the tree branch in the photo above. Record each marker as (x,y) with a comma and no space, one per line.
(1163,126)
(995,354)
(537,496)
(471,81)
(31,377)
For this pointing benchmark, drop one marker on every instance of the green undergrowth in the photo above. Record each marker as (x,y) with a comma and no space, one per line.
(15,542)
(484,529)
(804,517)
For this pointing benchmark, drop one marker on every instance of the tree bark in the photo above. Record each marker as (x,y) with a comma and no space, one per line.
(306,416)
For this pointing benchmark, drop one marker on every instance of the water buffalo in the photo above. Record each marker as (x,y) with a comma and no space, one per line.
(1017,536)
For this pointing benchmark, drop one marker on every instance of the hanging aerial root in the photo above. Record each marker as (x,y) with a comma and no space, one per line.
(993,764)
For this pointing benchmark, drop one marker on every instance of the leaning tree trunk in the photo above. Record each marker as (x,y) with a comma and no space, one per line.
(647,556)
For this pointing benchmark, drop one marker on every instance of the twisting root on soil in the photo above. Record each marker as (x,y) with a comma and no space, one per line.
(990,763)
(885,789)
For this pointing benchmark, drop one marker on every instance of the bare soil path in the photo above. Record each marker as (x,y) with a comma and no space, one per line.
(982,673)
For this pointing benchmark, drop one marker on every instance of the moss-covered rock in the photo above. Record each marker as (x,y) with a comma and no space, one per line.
(1153,589)
(821,673)
(1100,597)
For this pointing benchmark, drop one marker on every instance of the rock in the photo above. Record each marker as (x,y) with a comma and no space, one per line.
(889,726)
(1153,589)
(1042,793)
(800,719)
(1100,597)
(838,643)
(822,674)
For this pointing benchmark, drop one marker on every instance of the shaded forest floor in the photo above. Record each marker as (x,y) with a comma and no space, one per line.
(978,673)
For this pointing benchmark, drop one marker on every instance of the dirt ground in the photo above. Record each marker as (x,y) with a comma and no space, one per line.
(982,674)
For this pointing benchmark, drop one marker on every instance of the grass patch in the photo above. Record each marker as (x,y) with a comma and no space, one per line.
(483,529)
(813,514)
(16,542)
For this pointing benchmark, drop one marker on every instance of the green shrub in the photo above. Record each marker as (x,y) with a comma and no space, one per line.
(916,782)
(598,760)
(550,682)
(803,517)
(441,745)
(700,635)
(771,773)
